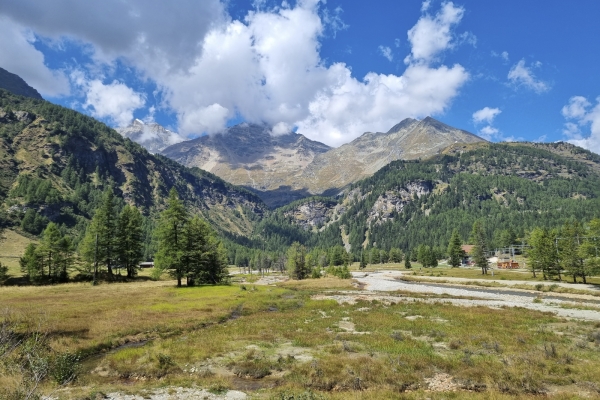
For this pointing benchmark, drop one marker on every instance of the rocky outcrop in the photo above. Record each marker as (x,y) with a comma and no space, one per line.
(394,201)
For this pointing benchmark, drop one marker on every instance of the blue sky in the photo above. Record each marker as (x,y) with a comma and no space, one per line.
(509,70)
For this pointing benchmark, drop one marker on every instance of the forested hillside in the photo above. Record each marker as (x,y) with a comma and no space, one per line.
(55,163)
(514,187)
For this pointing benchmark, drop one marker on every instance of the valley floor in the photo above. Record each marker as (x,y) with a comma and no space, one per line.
(376,336)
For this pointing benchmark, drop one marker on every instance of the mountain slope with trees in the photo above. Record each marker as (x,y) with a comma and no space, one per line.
(55,163)
(510,187)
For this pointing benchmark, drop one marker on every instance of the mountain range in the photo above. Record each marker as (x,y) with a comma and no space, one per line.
(411,185)
(284,168)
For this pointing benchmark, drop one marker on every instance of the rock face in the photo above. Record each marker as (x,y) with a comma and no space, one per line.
(315,214)
(16,85)
(152,136)
(249,155)
(393,201)
(284,168)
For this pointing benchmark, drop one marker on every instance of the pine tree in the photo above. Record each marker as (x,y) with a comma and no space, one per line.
(99,244)
(49,251)
(171,238)
(407,263)
(479,247)
(455,251)
(194,257)
(130,236)
(363,260)
(296,261)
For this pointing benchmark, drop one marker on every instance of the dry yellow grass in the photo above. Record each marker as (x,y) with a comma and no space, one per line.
(12,246)
(195,341)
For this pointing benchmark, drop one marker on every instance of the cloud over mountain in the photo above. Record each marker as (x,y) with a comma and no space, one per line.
(265,67)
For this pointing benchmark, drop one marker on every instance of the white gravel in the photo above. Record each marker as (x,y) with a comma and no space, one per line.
(386,281)
(175,393)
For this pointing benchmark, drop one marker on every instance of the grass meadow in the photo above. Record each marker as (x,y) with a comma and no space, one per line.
(276,342)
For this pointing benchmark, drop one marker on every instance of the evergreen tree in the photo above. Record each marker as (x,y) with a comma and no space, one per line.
(407,263)
(130,236)
(100,241)
(31,264)
(50,252)
(571,254)
(363,260)
(455,251)
(296,261)
(542,253)
(171,238)
(383,256)
(479,247)
(3,273)
(395,255)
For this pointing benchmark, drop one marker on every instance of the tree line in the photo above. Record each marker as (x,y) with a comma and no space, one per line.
(187,247)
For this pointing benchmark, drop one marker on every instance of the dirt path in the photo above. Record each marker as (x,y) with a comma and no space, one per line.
(387,281)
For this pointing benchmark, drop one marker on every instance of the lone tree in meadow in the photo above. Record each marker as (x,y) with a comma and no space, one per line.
(455,251)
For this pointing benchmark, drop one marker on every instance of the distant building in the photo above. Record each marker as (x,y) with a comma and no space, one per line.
(468,254)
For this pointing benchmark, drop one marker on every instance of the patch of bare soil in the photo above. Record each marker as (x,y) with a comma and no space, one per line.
(441,383)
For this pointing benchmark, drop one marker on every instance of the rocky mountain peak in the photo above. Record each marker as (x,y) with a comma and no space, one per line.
(402,125)
(154,137)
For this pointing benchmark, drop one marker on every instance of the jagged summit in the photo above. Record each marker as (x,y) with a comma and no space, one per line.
(282,168)
(152,136)
(16,85)
(402,124)
(250,155)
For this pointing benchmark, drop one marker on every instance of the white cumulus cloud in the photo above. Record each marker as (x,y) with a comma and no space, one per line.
(582,115)
(433,34)
(486,114)
(266,67)
(19,56)
(521,75)
(115,101)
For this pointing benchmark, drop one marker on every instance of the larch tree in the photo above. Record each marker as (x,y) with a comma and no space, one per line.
(171,238)
(99,244)
(542,254)
(130,238)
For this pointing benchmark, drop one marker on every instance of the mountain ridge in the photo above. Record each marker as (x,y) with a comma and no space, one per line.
(17,85)
(74,157)
(280,173)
